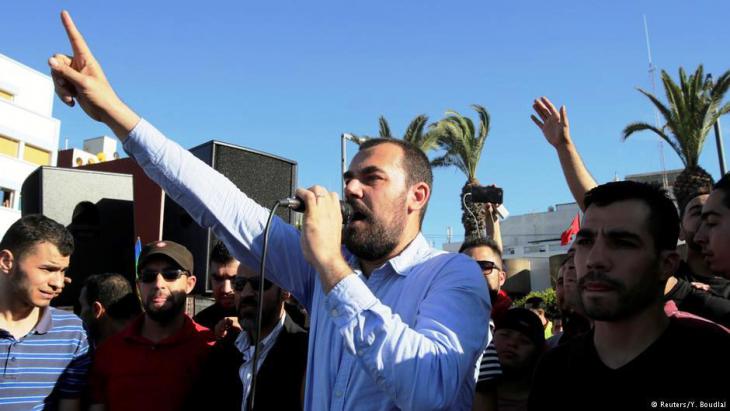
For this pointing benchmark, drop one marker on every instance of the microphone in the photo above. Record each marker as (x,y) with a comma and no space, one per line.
(296,204)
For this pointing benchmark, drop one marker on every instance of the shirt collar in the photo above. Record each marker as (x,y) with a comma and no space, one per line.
(410,256)
(45,323)
(243,343)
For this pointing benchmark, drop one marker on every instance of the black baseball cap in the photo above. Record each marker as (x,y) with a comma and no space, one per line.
(524,321)
(170,249)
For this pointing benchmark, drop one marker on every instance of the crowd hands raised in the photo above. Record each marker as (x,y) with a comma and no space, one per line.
(390,323)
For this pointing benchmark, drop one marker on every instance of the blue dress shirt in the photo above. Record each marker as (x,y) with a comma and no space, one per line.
(406,337)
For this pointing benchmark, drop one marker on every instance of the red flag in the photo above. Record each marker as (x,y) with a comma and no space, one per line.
(568,234)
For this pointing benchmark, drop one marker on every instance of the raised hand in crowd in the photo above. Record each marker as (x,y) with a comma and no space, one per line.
(555,127)
(79,78)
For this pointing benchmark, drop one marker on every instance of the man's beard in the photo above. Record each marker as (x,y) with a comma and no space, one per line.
(378,238)
(247,320)
(166,314)
(628,303)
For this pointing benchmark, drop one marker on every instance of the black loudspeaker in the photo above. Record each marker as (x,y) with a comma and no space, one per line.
(97,207)
(263,177)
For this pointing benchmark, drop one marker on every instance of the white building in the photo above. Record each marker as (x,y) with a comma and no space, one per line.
(28,132)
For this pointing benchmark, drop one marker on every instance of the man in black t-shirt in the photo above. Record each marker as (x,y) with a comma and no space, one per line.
(635,357)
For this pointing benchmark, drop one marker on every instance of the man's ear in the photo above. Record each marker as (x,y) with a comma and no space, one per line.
(7,261)
(98,309)
(502,278)
(669,264)
(190,284)
(418,197)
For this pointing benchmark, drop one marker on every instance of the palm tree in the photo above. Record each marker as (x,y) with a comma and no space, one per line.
(463,146)
(692,110)
(414,133)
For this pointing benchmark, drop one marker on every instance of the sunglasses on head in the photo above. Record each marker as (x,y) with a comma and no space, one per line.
(150,276)
(488,266)
(239,283)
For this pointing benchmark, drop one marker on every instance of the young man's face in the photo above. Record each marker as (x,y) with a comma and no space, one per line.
(560,289)
(516,351)
(495,276)
(570,282)
(222,276)
(714,233)
(618,270)
(691,220)
(38,276)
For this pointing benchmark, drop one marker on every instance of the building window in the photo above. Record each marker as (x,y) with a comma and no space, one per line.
(6,95)
(9,147)
(37,156)
(6,197)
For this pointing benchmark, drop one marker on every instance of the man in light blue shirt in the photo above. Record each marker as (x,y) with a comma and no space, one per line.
(395,324)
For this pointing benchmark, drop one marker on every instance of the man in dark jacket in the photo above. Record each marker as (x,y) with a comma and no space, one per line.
(226,383)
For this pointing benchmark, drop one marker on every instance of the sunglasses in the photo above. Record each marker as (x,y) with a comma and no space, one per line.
(150,276)
(239,283)
(488,266)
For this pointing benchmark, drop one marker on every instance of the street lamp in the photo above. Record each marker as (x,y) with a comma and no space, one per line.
(343,157)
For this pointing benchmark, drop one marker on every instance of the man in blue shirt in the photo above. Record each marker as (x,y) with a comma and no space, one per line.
(392,319)
(43,351)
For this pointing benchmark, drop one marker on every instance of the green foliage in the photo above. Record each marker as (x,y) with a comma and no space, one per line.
(547,295)
(693,106)
(462,142)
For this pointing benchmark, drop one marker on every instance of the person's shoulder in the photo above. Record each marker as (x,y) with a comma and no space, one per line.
(699,329)
(202,333)
(66,319)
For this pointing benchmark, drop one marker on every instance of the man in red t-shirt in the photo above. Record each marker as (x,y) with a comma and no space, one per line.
(151,364)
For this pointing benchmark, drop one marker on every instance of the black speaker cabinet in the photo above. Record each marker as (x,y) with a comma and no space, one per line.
(263,177)
(97,207)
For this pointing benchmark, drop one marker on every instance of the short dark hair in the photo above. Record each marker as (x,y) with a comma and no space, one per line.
(115,293)
(220,254)
(663,219)
(32,229)
(481,242)
(415,163)
(691,183)
(724,185)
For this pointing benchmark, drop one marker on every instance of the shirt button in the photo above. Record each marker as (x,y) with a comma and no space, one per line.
(338,394)
(334,312)
(12,359)
(360,352)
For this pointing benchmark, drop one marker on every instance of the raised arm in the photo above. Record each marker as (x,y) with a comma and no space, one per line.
(492,224)
(208,196)
(556,129)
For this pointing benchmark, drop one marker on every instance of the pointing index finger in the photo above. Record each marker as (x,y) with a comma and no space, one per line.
(78,44)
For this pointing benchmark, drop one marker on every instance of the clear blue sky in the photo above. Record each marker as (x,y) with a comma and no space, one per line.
(288,77)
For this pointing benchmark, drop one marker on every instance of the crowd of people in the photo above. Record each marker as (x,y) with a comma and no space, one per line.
(391,322)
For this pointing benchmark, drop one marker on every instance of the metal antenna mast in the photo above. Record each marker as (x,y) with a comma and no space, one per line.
(652,71)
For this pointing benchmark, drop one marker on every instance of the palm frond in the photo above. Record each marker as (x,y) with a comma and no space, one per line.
(384,129)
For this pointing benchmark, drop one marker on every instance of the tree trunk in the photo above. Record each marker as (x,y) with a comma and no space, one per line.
(472,228)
